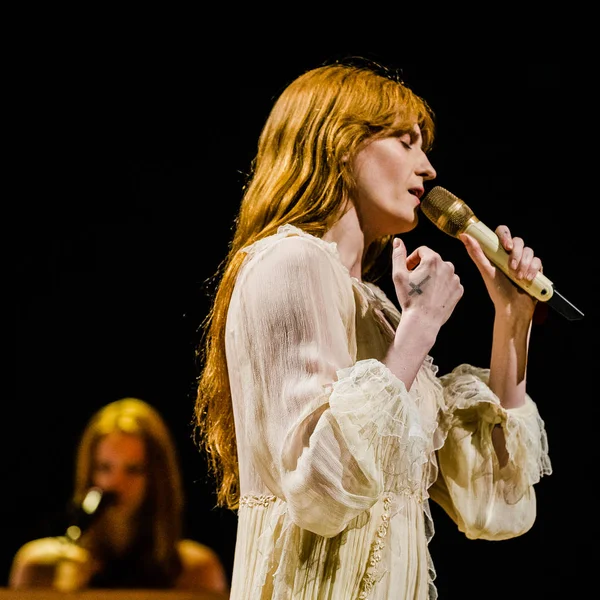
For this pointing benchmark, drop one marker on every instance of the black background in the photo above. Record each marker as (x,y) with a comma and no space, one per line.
(133,150)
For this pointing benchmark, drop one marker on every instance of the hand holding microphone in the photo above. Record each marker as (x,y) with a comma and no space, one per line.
(83,514)
(453,216)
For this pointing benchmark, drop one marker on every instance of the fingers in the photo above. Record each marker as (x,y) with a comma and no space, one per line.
(522,260)
(503,233)
(418,256)
(527,265)
(423,255)
(425,282)
(473,248)
(398,255)
(399,247)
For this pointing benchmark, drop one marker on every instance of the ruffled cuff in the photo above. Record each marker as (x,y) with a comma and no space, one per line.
(381,425)
(469,399)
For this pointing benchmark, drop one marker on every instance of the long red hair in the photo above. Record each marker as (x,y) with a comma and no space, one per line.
(299,176)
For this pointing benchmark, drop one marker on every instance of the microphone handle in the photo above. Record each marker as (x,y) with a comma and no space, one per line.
(540,287)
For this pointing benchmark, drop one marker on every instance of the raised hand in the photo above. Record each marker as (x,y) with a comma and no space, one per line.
(425,284)
(523,263)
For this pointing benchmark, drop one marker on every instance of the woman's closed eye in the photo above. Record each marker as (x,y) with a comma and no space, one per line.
(407,141)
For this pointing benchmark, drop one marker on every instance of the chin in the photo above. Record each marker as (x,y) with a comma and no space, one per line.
(404,226)
(415,221)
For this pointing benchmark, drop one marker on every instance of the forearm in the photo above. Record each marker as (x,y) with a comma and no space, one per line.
(508,366)
(413,340)
(508,370)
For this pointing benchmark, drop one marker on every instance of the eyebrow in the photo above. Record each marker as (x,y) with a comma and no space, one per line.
(140,463)
(415,136)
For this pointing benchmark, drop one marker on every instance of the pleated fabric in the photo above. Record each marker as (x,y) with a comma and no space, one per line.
(338,460)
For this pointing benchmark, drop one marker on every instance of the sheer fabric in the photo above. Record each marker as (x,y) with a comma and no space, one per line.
(337,460)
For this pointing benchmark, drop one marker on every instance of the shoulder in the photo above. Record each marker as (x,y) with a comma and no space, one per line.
(48,550)
(42,547)
(202,567)
(293,258)
(195,553)
(35,563)
(292,244)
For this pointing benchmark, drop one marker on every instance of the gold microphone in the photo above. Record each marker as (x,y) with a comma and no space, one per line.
(453,216)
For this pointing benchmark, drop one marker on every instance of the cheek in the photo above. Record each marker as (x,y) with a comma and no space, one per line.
(365,170)
(100,479)
(376,173)
(368,183)
(139,487)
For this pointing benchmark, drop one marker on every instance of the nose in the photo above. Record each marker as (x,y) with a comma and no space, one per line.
(426,171)
(115,481)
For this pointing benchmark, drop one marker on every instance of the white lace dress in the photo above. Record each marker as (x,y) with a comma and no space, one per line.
(337,460)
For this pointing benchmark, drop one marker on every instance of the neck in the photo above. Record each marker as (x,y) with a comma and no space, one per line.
(350,240)
(119,532)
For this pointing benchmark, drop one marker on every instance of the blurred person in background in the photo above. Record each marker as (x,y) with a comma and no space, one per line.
(127,453)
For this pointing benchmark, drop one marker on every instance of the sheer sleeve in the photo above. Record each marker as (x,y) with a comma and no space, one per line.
(318,427)
(487,501)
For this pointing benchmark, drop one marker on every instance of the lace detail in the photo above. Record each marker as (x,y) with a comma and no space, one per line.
(383,427)
(254,501)
(372,574)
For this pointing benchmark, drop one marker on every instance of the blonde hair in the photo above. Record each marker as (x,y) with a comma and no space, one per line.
(163,506)
(301,176)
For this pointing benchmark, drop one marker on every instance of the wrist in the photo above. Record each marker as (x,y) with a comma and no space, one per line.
(415,327)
